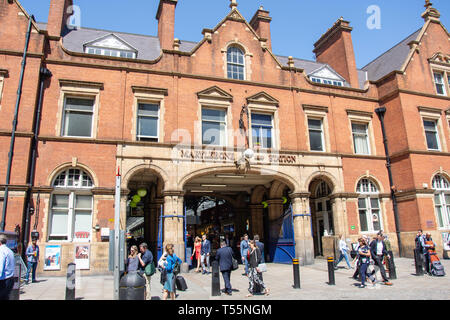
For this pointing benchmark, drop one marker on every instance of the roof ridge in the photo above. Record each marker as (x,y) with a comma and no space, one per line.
(395,46)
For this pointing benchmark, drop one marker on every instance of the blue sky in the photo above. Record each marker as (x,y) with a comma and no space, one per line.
(296,24)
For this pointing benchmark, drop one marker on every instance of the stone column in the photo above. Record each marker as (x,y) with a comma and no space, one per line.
(155,213)
(338,206)
(174,222)
(275,224)
(257,223)
(304,243)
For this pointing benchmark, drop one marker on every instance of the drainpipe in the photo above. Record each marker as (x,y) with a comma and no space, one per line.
(14,126)
(44,74)
(380,113)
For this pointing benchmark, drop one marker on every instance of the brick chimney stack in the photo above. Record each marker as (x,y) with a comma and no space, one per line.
(335,48)
(166,23)
(58,17)
(261,24)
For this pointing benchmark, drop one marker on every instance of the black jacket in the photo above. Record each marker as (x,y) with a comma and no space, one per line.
(255,258)
(373,249)
(224,257)
(260,246)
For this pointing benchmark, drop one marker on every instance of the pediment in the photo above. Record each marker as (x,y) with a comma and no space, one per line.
(440,58)
(110,41)
(327,73)
(214,93)
(263,98)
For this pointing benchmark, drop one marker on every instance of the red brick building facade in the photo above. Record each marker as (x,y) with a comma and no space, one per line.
(167,112)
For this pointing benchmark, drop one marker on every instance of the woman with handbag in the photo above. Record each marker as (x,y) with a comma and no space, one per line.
(197,253)
(170,266)
(254,277)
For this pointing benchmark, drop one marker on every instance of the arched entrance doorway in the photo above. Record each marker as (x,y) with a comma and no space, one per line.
(251,203)
(321,212)
(143,208)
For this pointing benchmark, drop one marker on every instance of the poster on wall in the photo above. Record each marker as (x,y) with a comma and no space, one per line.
(446,240)
(82,256)
(52,259)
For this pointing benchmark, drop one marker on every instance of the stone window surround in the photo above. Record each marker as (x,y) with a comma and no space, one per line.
(78,89)
(247,59)
(362,117)
(3,74)
(254,107)
(149,95)
(445,71)
(433,114)
(211,103)
(320,113)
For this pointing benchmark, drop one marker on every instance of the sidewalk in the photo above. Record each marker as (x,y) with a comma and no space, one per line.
(279,278)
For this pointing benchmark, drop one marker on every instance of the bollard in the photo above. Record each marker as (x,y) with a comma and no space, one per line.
(296,267)
(70,283)
(215,285)
(392,272)
(418,262)
(331,281)
(15,292)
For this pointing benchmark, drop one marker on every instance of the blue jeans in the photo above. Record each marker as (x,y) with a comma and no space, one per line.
(342,256)
(31,266)
(246,264)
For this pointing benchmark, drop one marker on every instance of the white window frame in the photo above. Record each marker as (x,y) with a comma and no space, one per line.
(2,80)
(321,133)
(272,130)
(441,191)
(64,125)
(225,111)
(103,51)
(436,133)
(243,65)
(367,137)
(330,82)
(138,136)
(443,83)
(71,192)
(367,195)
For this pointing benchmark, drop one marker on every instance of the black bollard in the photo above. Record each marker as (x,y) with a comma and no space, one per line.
(331,281)
(392,272)
(418,262)
(15,292)
(70,283)
(215,284)
(296,266)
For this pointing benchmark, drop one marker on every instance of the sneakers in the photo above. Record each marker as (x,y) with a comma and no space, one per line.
(362,286)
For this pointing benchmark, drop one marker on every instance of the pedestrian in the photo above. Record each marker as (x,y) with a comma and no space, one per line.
(255,279)
(364,261)
(428,243)
(205,252)
(133,260)
(244,248)
(225,258)
(419,241)
(32,254)
(197,252)
(343,249)
(260,246)
(145,257)
(170,264)
(7,266)
(378,251)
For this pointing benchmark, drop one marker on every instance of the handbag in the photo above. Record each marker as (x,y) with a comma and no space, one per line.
(262,267)
(176,268)
(150,269)
(163,278)
(235,264)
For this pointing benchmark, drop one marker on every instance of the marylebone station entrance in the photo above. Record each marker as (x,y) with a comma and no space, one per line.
(223,205)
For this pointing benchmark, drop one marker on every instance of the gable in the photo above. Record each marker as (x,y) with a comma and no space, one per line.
(110,41)
(263,98)
(327,73)
(214,93)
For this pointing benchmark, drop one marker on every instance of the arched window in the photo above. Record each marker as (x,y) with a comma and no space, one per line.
(71,207)
(368,206)
(235,63)
(442,200)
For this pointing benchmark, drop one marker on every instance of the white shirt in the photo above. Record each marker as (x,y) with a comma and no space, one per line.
(7,262)
(379,248)
(343,246)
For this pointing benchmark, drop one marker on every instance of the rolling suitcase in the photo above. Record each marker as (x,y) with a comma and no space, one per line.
(181,283)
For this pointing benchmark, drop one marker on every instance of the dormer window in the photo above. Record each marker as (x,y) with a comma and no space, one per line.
(235,63)
(111,46)
(326,75)
(327,81)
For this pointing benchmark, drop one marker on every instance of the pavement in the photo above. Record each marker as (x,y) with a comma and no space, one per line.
(278,278)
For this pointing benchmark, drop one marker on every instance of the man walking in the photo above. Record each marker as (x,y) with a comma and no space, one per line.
(205,252)
(260,246)
(244,251)
(145,257)
(32,254)
(225,258)
(7,265)
(419,241)
(378,251)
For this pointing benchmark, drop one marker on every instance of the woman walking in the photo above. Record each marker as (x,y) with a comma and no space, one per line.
(133,260)
(343,248)
(364,261)
(171,261)
(254,274)
(197,252)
